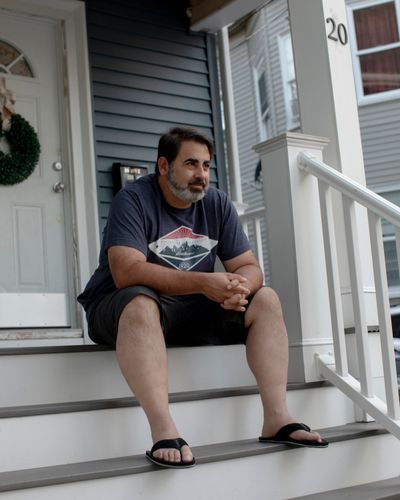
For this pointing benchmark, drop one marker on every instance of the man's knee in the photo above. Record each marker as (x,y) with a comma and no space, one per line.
(141,309)
(267,297)
(266,300)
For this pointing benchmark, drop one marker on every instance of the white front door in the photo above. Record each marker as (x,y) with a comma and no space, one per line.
(35,261)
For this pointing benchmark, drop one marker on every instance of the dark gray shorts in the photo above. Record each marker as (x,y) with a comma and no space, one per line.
(186,320)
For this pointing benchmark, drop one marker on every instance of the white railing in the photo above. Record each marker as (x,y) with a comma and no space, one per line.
(253,219)
(336,369)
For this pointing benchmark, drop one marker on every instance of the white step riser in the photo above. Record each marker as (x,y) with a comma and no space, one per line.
(29,442)
(275,476)
(51,378)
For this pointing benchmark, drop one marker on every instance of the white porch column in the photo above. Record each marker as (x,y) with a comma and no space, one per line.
(328,107)
(230,119)
(296,251)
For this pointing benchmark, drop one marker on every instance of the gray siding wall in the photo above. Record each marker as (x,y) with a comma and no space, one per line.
(276,24)
(148,74)
(380,134)
(256,44)
(246,121)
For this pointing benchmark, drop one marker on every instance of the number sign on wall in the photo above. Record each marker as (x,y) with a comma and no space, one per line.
(338,32)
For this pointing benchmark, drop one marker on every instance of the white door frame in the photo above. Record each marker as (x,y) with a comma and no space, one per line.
(81,155)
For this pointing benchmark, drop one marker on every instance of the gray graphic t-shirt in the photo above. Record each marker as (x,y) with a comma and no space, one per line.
(186,239)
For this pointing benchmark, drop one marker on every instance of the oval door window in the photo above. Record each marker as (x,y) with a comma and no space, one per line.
(13,61)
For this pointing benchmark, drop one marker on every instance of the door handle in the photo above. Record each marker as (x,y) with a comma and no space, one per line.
(58,187)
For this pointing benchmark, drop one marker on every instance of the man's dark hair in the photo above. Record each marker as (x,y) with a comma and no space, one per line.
(170,143)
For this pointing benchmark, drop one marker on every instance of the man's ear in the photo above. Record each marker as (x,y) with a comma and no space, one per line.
(162,164)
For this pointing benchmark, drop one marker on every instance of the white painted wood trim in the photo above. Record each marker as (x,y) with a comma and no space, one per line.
(360,322)
(229,114)
(333,277)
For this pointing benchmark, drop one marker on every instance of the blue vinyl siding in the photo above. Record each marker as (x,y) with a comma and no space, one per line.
(148,74)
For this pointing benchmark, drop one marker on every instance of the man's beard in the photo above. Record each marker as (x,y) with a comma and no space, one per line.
(184,193)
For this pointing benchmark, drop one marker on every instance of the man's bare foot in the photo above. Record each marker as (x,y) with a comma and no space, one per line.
(269,431)
(164,431)
(173,455)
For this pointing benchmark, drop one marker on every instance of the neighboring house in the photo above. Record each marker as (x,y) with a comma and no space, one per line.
(264,82)
(100,81)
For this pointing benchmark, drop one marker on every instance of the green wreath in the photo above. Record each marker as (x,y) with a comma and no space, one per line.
(22,159)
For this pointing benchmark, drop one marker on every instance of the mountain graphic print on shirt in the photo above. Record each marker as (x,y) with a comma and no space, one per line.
(182,248)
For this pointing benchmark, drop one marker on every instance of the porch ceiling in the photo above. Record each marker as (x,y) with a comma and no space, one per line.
(212,15)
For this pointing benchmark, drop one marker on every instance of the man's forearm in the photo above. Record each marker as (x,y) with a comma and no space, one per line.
(129,268)
(216,286)
(254,276)
(164,280)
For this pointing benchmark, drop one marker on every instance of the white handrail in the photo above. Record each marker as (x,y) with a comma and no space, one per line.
(351,188)
(377,208)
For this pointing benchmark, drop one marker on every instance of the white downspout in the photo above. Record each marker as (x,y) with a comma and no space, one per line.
(235,186)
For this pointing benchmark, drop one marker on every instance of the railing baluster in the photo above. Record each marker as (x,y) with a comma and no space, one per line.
(258,242)
(357,293)
(335,300)
(385,326)
(254,218)
(245,226)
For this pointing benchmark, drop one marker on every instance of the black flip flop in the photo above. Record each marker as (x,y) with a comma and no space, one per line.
(169,443)
(282,437)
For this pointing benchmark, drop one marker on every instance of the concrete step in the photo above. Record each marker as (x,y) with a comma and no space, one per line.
(235,471)
(51,375)
(42,435)
(389,489)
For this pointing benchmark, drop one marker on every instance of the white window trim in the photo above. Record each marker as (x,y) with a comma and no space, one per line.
(382,96)
(291,123)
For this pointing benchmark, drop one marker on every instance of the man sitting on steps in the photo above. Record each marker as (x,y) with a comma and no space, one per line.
(156,286)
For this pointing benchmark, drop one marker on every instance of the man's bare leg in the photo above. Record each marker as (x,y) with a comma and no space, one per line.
(267,355)
(142,357)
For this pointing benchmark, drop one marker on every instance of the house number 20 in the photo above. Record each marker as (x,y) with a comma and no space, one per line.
(338,32)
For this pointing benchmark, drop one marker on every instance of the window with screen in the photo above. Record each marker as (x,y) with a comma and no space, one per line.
(262,101)
(289,81)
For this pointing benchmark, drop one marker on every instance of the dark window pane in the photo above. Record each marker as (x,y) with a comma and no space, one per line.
(11,61)
(376,26)
(7,53)
(392,269)
(380,71)
(262,89)
(21,68)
